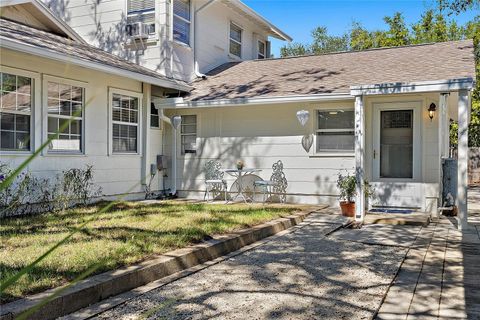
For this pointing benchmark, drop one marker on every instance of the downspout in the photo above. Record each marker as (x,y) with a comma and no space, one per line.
(175,123)
(195,62)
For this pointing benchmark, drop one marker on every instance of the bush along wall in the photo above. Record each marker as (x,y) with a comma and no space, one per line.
(29,194)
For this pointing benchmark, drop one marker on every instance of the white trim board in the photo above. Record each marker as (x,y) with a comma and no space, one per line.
(413,87)
(179,103)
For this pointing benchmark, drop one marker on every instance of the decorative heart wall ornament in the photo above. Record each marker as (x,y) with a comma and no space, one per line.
(303,116)
(307,142)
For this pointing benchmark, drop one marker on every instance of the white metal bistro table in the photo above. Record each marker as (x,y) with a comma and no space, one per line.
(239,174)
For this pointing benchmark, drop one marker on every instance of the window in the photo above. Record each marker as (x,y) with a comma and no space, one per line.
(235,40)
(335,132)
(124,123)
(65,114)
(188,133)
(261,50)
(181,21)
(15,112)
(140,11)
(154,117)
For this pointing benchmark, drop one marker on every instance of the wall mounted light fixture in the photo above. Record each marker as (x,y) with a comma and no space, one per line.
(431,111)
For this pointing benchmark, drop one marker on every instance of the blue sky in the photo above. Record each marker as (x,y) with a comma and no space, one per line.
(298,18)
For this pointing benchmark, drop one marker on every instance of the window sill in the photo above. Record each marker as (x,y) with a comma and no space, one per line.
(64,154)
(332,155)
(16,153)
(234,57)
(123,154)
(181,44)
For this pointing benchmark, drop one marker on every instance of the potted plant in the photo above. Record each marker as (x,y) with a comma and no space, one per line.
(240,164)
(347,186)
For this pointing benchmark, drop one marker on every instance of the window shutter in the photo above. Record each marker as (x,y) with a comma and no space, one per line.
(138,6)
(268,49)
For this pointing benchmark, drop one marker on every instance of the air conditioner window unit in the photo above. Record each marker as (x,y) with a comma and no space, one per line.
(137,30)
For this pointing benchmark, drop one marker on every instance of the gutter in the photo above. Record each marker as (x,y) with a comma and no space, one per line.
(180,103)
(52,55)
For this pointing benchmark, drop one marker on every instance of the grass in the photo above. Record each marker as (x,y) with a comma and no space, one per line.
(128,233)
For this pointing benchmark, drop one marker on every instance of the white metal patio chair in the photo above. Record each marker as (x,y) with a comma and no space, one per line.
(277,185)
(214,181)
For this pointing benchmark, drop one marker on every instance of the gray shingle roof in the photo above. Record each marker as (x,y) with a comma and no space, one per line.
(26,35)
(335,73)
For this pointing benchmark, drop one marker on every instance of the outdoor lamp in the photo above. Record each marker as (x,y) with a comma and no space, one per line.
(302,116)
(431,110)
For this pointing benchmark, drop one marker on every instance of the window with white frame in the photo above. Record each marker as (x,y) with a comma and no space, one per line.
(188,134)
(65,116)
(125,115)
(140,11)
(181,21)
(15,112)
(261,50)
(335,131)
(154,117)
(235,40)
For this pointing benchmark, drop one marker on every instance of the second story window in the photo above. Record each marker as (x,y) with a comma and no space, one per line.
(140,13)
(235,40)
(261,50)
(181,21)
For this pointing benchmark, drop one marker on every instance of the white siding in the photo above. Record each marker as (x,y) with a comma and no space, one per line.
(102,23)
(114,173)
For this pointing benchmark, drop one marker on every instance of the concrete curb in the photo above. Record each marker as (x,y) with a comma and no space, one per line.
(111,283)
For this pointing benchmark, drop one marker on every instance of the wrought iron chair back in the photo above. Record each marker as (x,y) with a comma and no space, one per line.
(213,170)
(279,180)
(214,182)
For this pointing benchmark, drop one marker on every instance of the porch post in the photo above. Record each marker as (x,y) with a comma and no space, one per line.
(443,146)
(463,115)
(359,158)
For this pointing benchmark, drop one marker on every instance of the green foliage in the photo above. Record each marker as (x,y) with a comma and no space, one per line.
(322,43)
(28,194)
(457,6)
(346,184)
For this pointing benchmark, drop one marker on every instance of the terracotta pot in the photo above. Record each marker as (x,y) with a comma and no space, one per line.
(348,208)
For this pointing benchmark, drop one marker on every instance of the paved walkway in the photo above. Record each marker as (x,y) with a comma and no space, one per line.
(299,275)
(311,272)
(440,277)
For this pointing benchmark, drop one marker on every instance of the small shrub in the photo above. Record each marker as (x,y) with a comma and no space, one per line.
(347,186)
(29,194)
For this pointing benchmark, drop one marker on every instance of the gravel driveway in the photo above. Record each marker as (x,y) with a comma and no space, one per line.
(299,275)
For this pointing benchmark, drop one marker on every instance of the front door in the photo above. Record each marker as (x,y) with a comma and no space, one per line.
(396,152)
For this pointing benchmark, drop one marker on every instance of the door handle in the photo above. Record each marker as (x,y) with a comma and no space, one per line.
(374,154)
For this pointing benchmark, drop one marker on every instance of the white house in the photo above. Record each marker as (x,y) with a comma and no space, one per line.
(370,112)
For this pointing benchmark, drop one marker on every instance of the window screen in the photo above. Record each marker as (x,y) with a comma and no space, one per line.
(335,132)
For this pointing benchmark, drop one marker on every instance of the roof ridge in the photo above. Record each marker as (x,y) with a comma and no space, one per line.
(357,51)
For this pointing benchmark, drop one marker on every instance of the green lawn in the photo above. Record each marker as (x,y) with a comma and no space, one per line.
(128,233)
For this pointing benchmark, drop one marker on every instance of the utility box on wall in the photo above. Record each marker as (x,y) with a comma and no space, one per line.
(449,169)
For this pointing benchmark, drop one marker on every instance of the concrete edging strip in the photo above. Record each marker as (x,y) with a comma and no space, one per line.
(114,282)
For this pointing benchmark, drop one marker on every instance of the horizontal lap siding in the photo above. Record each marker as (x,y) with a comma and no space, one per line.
(114,173)
(260,136)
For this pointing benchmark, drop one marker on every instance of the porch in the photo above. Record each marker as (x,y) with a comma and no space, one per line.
(401,145)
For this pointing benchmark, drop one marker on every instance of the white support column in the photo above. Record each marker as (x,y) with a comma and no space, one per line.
(443,149)
(359,158)
(463,111)
(145,127)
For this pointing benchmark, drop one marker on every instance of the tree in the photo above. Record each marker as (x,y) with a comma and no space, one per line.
(322,43)
(457,6)
(398,33)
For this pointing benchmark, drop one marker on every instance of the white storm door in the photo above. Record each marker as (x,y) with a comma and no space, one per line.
(397,141)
